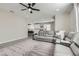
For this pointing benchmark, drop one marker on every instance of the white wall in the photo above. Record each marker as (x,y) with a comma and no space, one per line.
(62,22)
(73,20)
(11,27)
(66,21)
(78,17)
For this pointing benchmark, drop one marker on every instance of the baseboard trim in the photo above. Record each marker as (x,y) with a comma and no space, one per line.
(12,42)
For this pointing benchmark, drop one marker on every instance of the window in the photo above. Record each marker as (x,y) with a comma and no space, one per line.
(47,27)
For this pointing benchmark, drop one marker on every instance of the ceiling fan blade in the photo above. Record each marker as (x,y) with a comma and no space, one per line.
(23,9)
(33,4)
(29,4)
(23,5)
(35,9)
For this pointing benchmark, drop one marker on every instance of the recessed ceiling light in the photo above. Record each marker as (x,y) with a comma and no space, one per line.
(11,11)
(57,9)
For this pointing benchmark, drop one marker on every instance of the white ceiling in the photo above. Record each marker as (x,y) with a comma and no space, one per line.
(47,10)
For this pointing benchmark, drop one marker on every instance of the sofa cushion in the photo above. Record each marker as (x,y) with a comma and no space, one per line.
(75,45)
(74,49)
(69,36)
(60,34)
(41,33)
(68,39)
(76,38)
(61,50)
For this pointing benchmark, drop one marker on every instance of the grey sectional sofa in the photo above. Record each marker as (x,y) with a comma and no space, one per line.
(63,50)
(44,38)
(72,50)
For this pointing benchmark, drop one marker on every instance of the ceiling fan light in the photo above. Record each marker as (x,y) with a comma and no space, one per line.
(29,9)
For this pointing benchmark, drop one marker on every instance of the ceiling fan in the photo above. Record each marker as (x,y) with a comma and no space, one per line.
(29,6)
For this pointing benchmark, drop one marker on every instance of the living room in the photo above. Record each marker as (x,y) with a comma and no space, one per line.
(39,29)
